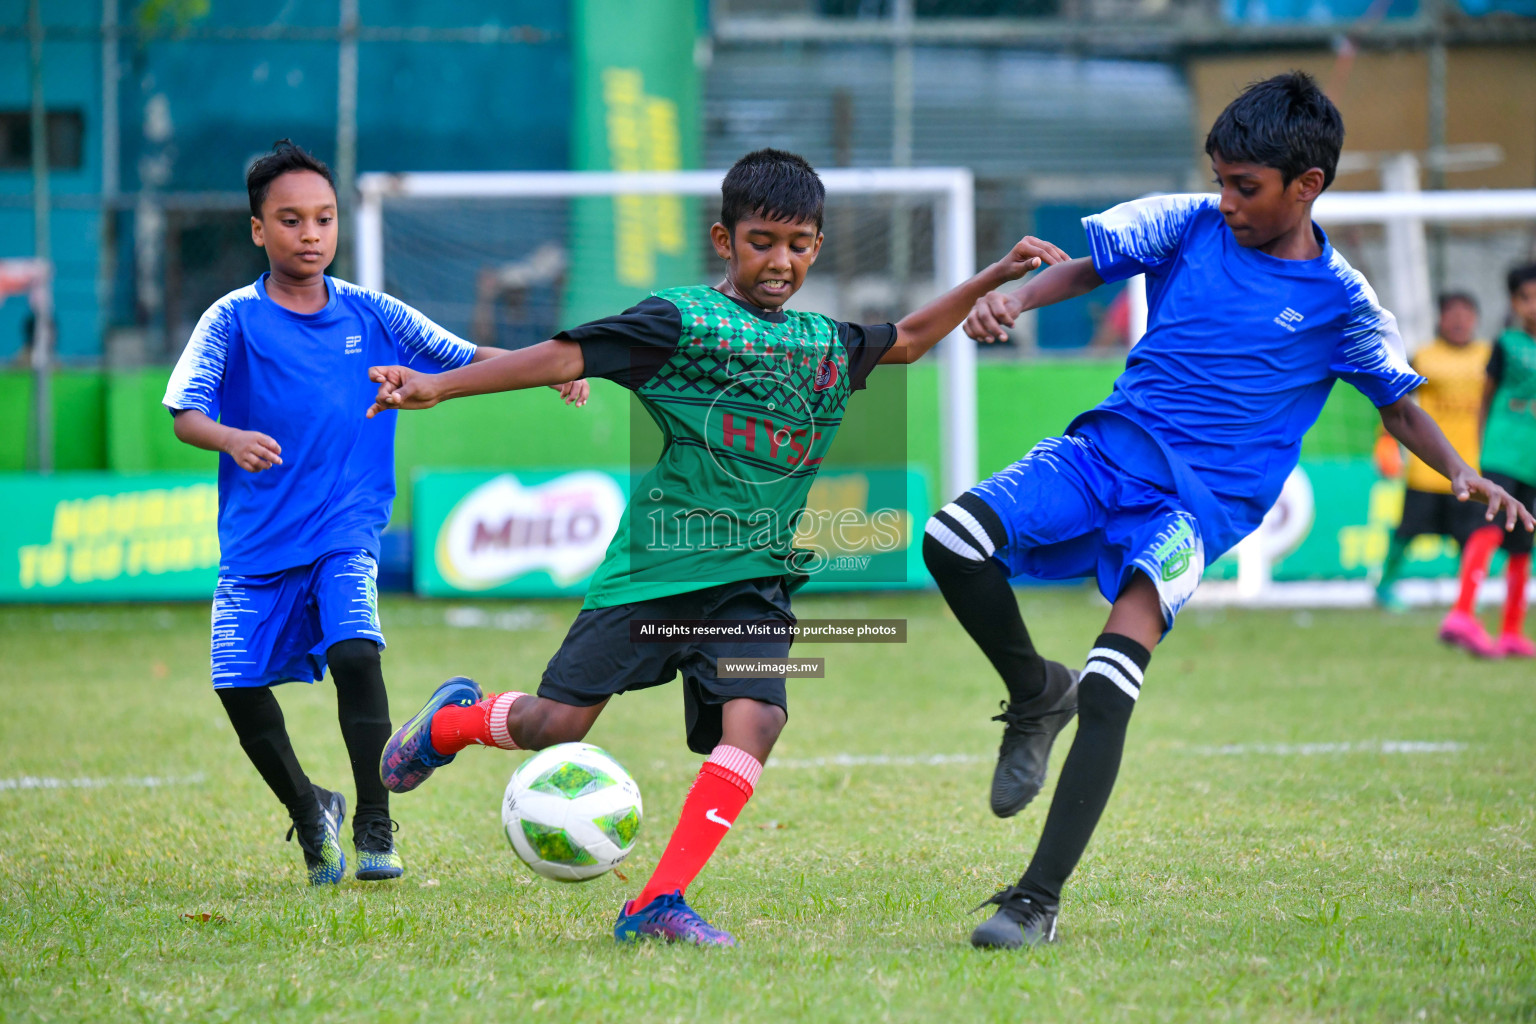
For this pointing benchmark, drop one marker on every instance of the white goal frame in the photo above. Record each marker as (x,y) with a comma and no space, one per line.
(954,256)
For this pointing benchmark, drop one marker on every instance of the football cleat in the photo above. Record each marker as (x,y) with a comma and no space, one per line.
(1031,728)
(1462,630)
(1020,921)
(408,756)
(377,859)
(668,917)
(321,842)
(1516,645)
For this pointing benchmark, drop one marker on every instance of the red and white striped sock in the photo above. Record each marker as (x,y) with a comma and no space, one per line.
(455,727)
(724,785)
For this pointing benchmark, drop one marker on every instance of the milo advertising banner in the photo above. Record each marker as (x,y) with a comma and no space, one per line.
(1334,520)
(543,533)
(524,534)
(106,537)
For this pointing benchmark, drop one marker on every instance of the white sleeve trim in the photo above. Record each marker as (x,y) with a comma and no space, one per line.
(194,383)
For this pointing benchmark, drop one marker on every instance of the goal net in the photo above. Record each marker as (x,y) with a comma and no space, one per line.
(508,259)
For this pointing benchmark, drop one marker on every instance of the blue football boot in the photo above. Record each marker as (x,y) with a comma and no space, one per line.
(668,917)
(408,756)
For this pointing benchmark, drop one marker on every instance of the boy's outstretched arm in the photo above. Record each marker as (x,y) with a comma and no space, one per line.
(1420,434)
(574,392)
(549,363)
(921,329)
(995,312)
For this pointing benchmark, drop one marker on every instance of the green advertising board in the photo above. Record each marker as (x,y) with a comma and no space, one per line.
(1335,520)
(543,533)
(637,88)
(108,537)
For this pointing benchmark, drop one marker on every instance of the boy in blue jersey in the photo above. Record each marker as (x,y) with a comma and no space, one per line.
(1252,318)
(275,378)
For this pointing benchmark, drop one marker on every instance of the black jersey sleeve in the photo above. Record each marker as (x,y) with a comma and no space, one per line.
(1496,363)
(865,343)
(629,348)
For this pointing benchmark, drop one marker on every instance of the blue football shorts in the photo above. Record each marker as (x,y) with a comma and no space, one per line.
(276,628)
(1071,513)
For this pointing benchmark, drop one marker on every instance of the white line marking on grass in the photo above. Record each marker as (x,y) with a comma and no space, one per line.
(470,617)
(1229,750)
(859,760)
(1311,749)
(85,782)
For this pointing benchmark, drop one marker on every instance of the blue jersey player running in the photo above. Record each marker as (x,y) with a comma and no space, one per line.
(1252,318)
(275,378)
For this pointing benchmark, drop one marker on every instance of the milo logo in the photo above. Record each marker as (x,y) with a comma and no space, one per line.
(504,529)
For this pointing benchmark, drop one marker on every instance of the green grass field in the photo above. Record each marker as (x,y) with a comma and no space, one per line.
(1261,882)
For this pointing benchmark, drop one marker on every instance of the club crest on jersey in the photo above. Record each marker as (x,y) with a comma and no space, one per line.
(826,375)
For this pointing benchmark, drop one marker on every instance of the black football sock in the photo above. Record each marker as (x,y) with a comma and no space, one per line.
(362,709)
(957,548)
(1106,695)
(258,721)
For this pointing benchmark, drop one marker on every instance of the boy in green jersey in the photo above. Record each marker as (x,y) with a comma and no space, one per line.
(1508,422)
(748,396)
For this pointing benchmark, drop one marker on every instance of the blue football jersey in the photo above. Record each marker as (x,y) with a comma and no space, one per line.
(302,379)
(1240,353)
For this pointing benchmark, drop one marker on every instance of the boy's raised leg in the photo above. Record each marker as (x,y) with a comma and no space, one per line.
(457,716)
(1107,694)
(409,758)
(958,545)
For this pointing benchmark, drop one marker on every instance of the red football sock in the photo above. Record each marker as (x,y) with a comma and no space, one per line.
(1517,571)
(719,793)
(1474,565)
(455,727)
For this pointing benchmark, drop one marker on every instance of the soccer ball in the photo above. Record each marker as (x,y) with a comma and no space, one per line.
(571,812)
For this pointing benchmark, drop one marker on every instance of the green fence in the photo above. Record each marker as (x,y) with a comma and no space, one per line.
(114,421)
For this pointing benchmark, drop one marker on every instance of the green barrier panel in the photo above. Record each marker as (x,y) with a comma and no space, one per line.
(637,89)
(15,421)
(542,533)
(1334,521)
(115,421)
(106,537)
(866,528)
(140,438)
(79,420)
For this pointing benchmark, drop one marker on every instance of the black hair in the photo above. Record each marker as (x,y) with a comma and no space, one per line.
(773,184)
(1286,122)
(1446,298)
(268,167)
(1521,275)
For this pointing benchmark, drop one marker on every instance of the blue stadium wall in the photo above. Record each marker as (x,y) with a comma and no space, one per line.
(421,106)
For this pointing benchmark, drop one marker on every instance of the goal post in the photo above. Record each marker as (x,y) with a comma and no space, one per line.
(947,191)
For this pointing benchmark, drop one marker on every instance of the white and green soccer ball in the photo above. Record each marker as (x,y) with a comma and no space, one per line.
(571,812)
